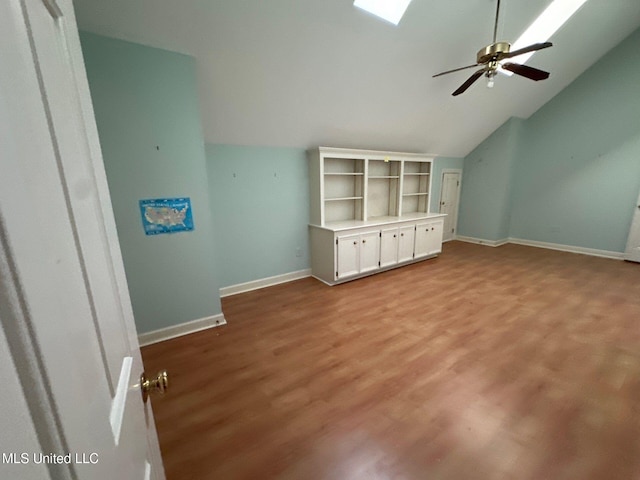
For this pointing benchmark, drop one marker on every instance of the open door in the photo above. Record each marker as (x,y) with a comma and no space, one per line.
(71,346)
(632,252)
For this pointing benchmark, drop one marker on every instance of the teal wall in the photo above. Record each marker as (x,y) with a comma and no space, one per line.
(260,205)
(578,174)
(148,120)
(575,163)
(486,191)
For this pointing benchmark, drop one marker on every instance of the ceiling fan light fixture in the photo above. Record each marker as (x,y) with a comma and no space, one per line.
(389,10)
(543,27)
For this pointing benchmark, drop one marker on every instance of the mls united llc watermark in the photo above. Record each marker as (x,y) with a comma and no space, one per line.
(25,458)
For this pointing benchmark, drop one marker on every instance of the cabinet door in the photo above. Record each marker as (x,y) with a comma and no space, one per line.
(405,243)
(348,255)
(435,237)
(369,251)
(429,238)
(423,238)
(389,247)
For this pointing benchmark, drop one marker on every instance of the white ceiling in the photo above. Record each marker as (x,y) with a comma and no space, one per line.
(304,73)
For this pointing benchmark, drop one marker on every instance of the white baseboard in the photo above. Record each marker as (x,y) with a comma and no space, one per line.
(568,248)
(182,329)
(264,282)
(482,241)
(551,246)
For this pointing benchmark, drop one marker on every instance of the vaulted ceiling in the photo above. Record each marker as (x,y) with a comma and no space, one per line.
(321,72)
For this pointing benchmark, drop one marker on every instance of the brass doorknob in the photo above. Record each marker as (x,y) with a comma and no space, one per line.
(158,384)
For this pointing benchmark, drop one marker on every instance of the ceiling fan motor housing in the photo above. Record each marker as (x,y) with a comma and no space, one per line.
(493,52)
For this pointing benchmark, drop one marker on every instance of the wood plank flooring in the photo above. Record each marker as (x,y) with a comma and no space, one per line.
(484,363)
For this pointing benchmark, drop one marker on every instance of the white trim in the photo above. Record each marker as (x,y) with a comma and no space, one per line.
(568,248)
(482,241)
(264,282)
(323,281)
(550,246)
(174,331)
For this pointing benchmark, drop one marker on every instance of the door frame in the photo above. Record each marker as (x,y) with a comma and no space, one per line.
(31,244)
(442,173)
(635,217)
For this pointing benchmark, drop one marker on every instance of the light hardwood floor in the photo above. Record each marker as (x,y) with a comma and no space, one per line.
(485,363)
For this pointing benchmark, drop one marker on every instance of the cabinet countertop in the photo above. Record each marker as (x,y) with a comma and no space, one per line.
(378,221)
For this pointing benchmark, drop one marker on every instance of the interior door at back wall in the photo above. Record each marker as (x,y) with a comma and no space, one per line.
(59,236)
(449,200)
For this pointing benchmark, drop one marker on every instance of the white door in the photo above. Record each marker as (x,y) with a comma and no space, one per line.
(66,310)
(389,247)
(348,255)
(369,251)
(449,200)
(422,247)
(405,243)
(632,253)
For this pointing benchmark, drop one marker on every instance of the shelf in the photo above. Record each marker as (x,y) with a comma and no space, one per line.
(340,199)
(372,177)
(414,194)
(347,174)
(344,166)
(416,174)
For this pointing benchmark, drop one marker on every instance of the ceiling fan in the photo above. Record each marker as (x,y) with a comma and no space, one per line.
(491,56)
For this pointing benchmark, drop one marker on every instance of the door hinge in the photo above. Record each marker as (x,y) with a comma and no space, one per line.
(336,274)
(378,263)
(53,8)
(458,183)
(453,230)
(415,228)
(380,234)
(336,241)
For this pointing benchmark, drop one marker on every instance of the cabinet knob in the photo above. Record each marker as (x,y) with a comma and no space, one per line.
(394,235)
(355,243)
(364,241)
(402,234)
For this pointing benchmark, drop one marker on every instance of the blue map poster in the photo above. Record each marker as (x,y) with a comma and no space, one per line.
(166,215)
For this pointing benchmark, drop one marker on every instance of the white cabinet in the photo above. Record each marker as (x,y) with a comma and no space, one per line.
(406,243)
(359,253)
(388,247)
(369,251)
(348,256)
(365,210)
(428,238)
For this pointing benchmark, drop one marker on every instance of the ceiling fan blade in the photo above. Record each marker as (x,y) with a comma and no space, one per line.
(456,70)
(531,48)
(526,71)
(469,82)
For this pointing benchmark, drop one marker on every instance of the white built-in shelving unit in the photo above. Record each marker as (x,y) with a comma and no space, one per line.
(369,212)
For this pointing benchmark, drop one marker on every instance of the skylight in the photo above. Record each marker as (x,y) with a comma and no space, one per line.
(543,27)
(389,10)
